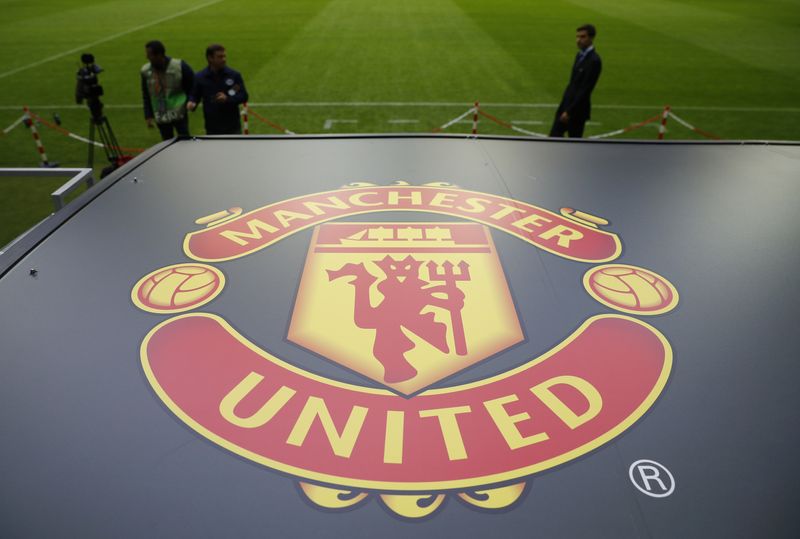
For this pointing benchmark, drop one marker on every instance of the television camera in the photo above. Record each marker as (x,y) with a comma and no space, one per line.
(88,89)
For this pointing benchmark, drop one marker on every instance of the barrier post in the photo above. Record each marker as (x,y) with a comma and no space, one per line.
(244,119)
(28,120)
(475,118)
(663,127)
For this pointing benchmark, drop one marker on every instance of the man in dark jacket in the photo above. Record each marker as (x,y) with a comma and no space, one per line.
(576,106)
(166,83)
(222,91)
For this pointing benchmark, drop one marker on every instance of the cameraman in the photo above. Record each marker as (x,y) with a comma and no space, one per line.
(166,83)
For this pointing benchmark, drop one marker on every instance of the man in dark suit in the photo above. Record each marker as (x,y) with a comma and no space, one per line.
(576,106)
(221,90)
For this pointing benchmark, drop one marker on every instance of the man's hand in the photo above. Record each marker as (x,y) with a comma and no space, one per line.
(191,105)
(564,118)
(150,123)
(220,97)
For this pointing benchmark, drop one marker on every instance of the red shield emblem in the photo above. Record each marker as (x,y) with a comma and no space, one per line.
(405,304)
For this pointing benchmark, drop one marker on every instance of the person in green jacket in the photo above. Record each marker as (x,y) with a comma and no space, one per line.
(166,83)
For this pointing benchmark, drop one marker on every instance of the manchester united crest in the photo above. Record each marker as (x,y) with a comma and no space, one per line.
(425,300)
(406,305)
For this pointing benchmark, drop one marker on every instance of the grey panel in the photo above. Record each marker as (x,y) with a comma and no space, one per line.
(88,448)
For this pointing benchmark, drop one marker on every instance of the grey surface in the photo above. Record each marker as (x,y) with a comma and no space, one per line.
(89,450)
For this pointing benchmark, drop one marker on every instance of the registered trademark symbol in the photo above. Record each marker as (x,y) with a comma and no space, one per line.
(651,478)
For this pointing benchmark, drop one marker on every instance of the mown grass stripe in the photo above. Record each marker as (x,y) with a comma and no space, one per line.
(85,46)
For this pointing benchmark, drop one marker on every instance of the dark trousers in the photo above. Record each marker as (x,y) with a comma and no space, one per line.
(224,124)
(231,130)
(574,127)
(180,127)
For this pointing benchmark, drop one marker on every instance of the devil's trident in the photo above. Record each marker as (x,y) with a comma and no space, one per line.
(450,278)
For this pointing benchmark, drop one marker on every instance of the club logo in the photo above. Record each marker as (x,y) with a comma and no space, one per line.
(398,294)
(406,304)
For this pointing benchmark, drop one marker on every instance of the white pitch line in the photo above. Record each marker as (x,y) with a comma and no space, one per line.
(329,122)
(403,121)
(65,107)
(83,48)
(357,104)
(508,105)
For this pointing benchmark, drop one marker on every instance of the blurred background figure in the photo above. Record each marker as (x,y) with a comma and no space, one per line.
(166,83)
(576,106)
(221,90)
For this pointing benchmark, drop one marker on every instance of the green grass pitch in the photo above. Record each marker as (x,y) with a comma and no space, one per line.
(729,67)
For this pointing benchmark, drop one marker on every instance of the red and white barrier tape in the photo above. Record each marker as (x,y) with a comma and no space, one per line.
(697,130)
(526,132)
(270,123)
(507,125)
(35,133)
(631,127)
(475,111)
(70,134)
(11,127)
(663,116)
(681,121)
(455,120)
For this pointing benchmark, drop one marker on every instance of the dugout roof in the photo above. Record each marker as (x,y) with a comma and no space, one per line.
(428,336)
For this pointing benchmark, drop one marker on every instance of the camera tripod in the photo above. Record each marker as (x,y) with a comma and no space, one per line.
(99,123)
